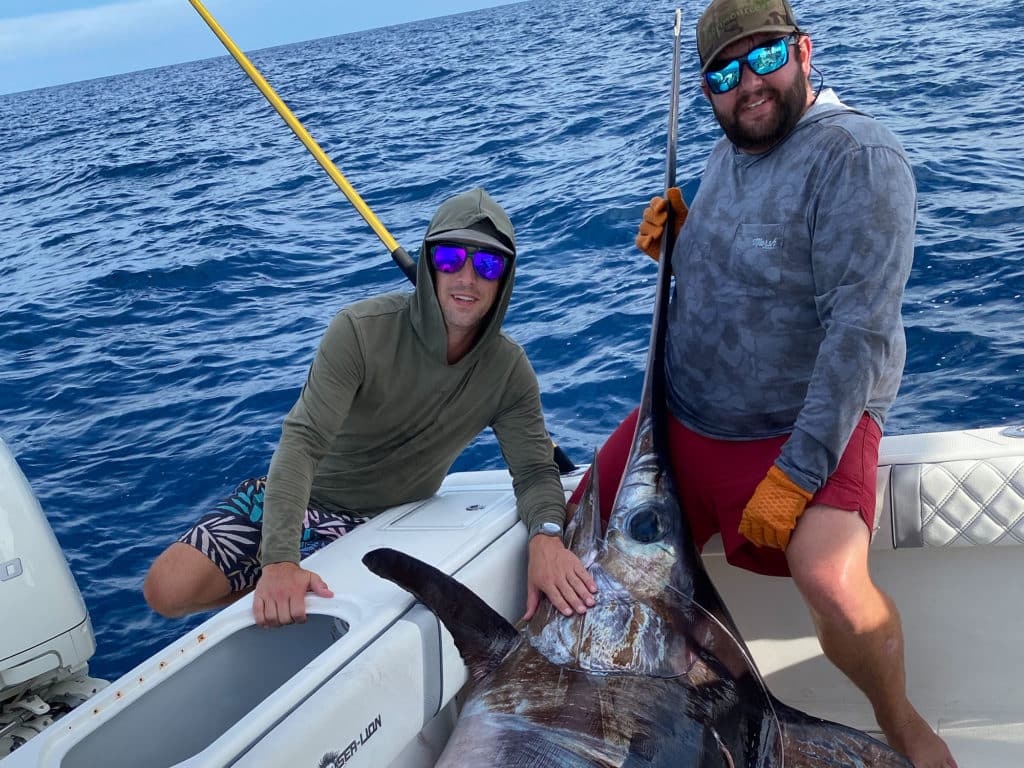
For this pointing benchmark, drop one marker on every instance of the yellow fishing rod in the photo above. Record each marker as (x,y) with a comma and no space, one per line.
(398,253)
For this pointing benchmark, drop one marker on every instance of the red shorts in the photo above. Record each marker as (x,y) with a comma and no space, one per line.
(716,479)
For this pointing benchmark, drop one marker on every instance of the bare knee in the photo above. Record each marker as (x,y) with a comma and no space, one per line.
(182,581)
(838,594)
(828,558)
(160,592)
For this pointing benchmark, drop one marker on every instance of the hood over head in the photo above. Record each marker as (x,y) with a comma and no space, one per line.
(473,218)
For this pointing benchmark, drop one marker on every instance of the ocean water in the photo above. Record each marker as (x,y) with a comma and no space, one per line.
(170,253)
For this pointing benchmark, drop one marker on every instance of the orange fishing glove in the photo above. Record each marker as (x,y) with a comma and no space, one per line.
(771,514)
(653,224)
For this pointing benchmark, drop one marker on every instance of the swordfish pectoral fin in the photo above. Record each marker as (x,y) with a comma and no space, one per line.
(481,634)
(810,742)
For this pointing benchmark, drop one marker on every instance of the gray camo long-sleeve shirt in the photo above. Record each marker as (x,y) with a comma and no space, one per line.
(790,271)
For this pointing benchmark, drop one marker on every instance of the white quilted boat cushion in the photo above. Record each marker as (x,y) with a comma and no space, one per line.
(958,503)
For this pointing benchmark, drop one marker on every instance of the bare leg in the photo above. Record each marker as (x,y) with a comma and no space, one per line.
(859,627)
(182,580)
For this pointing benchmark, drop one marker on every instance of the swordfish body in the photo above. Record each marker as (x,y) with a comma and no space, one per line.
(655,674)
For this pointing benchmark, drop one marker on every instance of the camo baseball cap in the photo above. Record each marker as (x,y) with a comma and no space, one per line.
(726,21)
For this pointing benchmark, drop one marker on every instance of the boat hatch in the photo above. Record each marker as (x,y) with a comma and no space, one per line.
(186,712)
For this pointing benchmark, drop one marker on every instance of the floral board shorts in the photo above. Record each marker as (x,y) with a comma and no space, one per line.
(230,534)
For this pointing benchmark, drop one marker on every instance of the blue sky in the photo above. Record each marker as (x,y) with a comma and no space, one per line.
(49,42)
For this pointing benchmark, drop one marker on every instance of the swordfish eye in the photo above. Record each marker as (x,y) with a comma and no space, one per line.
(646,524)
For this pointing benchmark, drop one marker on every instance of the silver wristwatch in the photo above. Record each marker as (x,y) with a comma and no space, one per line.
(546,529)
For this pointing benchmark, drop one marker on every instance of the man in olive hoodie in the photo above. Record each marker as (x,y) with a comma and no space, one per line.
(401,383)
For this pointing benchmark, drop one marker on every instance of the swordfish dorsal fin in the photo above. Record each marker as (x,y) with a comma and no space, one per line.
(481,634)
(583,533)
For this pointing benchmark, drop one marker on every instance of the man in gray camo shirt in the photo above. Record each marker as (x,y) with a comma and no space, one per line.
(785,344)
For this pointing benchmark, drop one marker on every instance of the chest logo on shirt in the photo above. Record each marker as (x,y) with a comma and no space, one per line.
(765,244)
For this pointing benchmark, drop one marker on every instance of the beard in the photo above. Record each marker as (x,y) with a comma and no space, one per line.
(789,104)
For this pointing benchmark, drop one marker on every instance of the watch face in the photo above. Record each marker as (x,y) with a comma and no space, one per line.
(550,529)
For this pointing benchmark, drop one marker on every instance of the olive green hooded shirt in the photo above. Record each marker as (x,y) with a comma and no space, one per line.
(383,416)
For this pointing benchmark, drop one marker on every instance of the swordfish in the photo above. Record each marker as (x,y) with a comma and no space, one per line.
(655,674)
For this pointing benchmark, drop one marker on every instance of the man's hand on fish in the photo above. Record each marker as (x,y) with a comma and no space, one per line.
(559,574)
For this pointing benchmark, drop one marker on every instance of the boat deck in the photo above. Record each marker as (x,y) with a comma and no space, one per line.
(962,628)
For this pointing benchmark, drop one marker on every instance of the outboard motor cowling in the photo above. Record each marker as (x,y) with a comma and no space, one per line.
(45,632)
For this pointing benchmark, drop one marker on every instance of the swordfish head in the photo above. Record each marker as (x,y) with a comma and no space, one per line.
(655,606)
(659,631)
